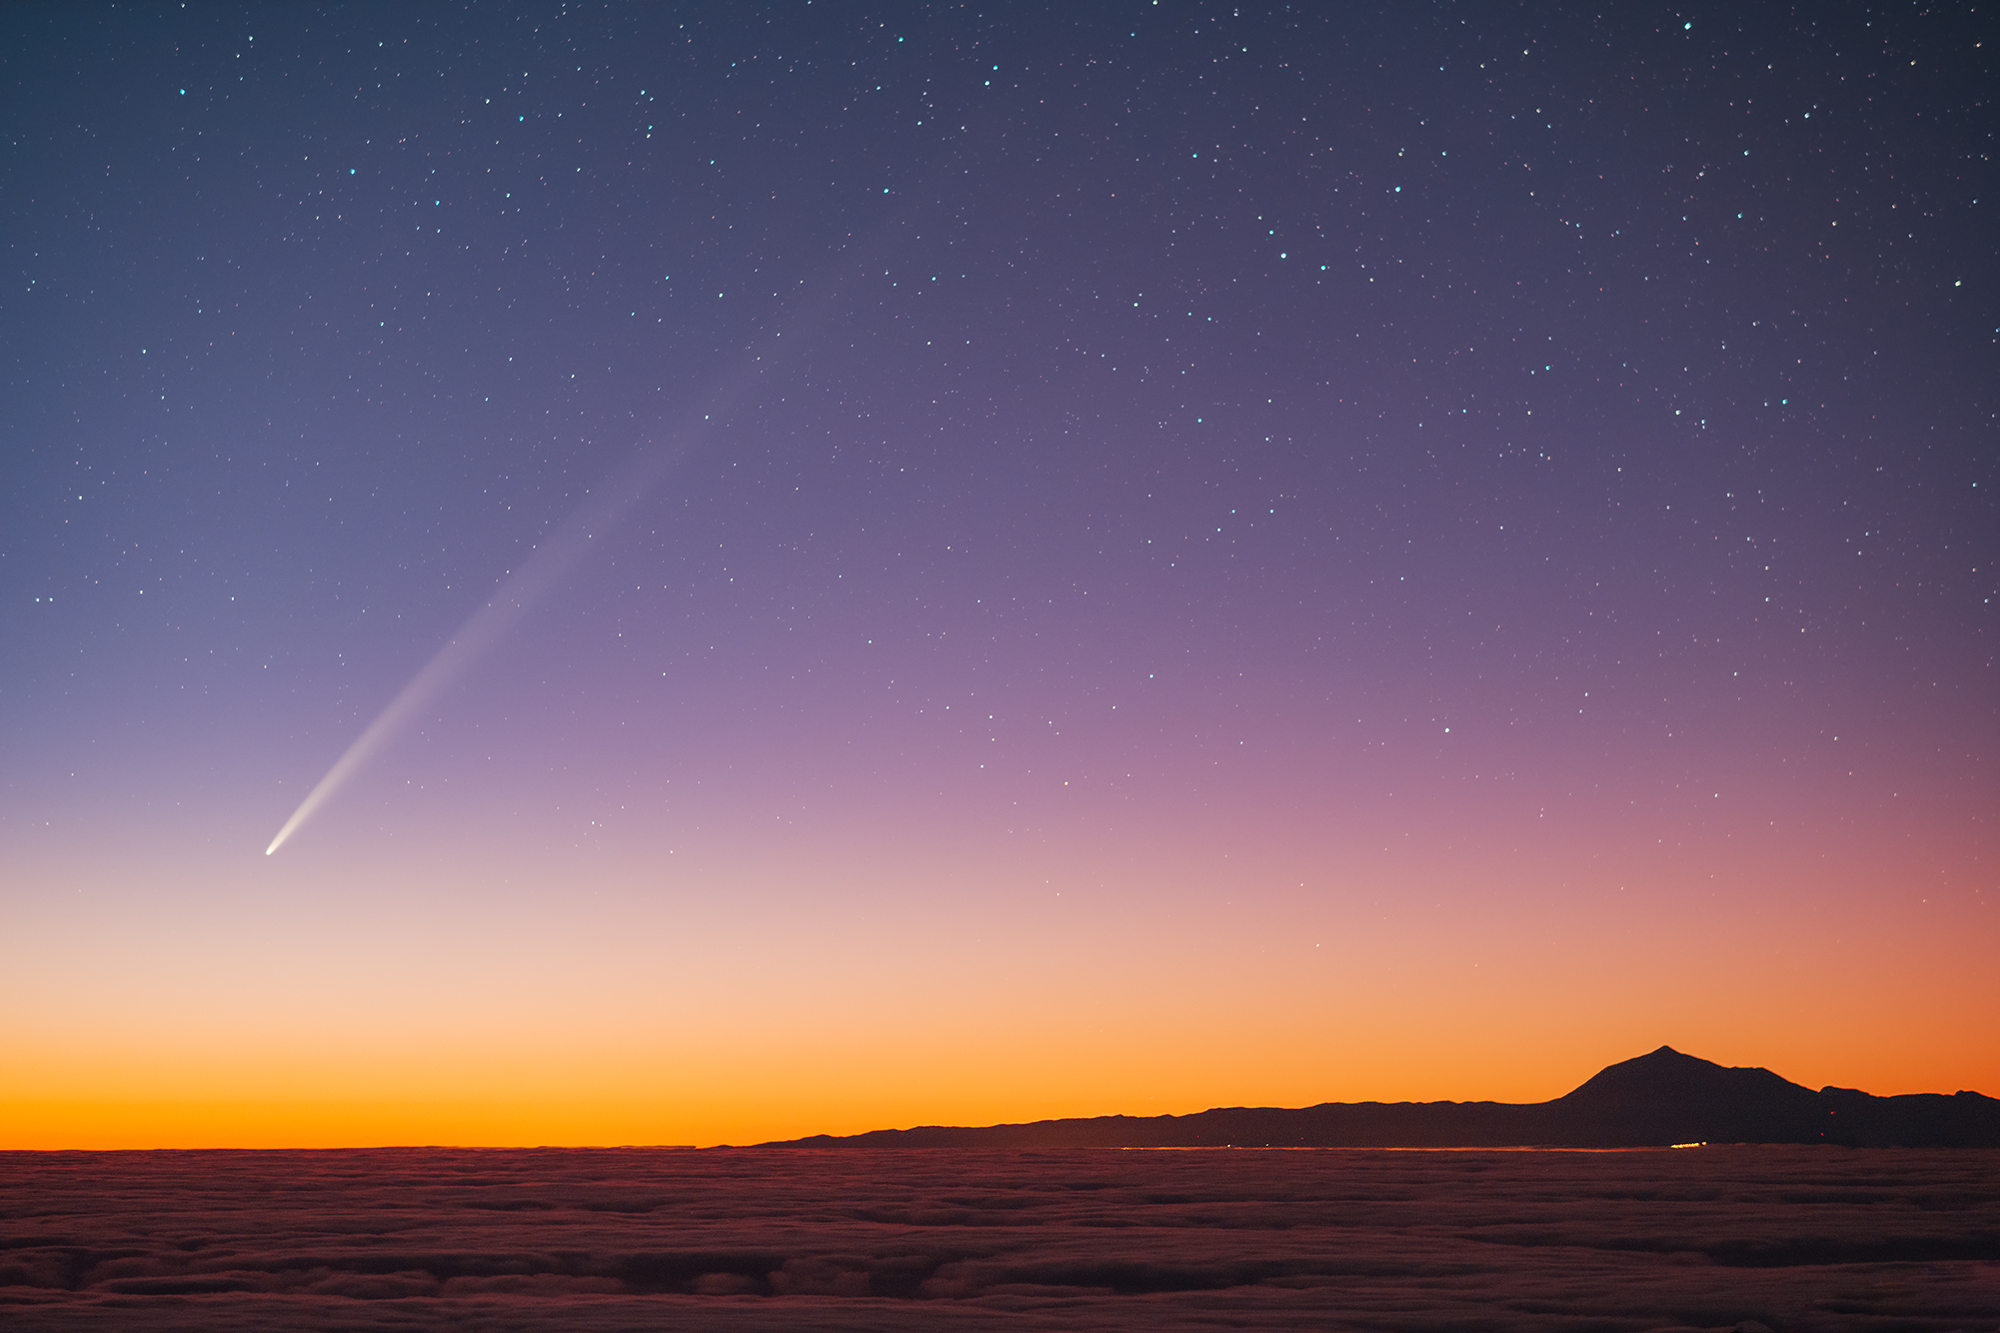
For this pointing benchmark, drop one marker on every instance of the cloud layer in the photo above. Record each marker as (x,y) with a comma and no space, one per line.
(1792,1238)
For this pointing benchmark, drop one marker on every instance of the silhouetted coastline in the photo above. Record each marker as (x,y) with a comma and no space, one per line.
(1657,1100)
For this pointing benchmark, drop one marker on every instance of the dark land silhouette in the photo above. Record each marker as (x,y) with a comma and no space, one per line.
(1656,1100)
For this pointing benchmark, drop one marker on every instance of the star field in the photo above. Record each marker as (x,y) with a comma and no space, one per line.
(1194,555)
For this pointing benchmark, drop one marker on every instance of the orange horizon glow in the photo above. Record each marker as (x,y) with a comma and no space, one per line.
(531,1030)
(821,987)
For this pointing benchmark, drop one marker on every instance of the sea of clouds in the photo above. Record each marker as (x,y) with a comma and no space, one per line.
(601,1239)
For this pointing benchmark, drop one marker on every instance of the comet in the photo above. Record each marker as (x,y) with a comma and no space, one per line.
(551,561)
(592,521)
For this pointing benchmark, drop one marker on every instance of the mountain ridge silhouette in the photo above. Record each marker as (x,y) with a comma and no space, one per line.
(1659,1099)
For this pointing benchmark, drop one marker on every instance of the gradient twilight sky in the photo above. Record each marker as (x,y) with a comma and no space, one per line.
(1123,557)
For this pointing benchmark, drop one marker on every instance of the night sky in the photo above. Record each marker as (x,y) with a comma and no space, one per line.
(1116,557)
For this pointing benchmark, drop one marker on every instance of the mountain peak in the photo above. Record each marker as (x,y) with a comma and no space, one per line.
(1665,1077)
(1660,1098)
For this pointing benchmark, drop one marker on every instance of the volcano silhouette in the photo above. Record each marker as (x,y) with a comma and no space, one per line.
(1667,1097)
(1656,1100)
